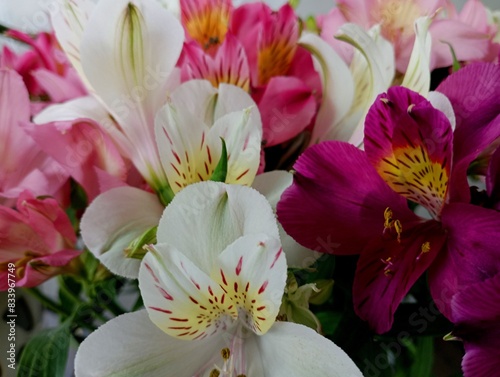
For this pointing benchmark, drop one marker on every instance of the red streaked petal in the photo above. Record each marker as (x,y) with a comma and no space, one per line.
(254,274)
(177,295)
(410,144)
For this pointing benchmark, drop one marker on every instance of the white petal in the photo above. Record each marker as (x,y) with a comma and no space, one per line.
(131,345)
(69,20)
(204,218)
(232,98)
(373,69)
(243,136)
(253,271)
(197,97)
(441,102)
(418,74)
(338,86)
(128,51)
(271,185)
(289,349)
(113,220)
(181,299)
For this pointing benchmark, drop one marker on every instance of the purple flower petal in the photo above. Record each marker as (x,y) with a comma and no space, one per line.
(474,92)
(337,201)
(472,254)
(493,179)
(476,312)
(387,269)
(409,142)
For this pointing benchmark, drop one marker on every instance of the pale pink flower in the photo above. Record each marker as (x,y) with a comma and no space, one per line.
(37,238)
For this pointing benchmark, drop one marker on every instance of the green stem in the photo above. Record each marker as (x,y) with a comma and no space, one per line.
(47,302)
(114,308)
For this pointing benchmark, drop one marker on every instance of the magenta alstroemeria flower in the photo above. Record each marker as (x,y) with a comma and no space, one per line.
(38,238)
(348,201)
(476,314)
(256,49)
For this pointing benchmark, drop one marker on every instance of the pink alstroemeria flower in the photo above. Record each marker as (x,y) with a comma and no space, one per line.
(397,19)
(23,165)
(256,49)
(38,238)
(476,314)
(357,200)
(47,73)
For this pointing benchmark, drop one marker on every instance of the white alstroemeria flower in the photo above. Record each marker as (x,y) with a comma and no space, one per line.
(188,132)
(126,52)
(349,91)
(212,288)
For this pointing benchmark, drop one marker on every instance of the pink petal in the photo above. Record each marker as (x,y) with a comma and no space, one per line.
(80,147)
(41,269)
(467,43)
(330,209)
(287,107)
(59,88)
(329,25)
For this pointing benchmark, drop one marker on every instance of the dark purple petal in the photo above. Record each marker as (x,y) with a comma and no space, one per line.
(409,143)
(476,312)
(474,92)
(387,269)
(472,253)
(337,201)
(482,362)
(493,179)
(478,302)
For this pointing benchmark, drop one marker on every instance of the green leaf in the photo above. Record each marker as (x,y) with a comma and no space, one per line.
(424,349)
(220,172)
(45,355)
(294,3)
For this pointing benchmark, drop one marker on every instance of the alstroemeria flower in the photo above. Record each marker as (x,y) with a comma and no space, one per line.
(476,314)
(212,288)
(188,135)
(38,238)
(355,202)
(23,165)
(114,46)
(397,18)
(47,73)
(256,49)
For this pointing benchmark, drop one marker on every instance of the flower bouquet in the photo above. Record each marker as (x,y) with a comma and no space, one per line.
(226,189)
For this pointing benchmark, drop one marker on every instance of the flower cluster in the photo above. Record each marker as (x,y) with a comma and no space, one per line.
(226,190)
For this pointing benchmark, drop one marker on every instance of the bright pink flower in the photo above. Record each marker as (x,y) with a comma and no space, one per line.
(356,201)
(476,314)
(38,238)
(260,53)
(47,73)
(23,165)
(397,20)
